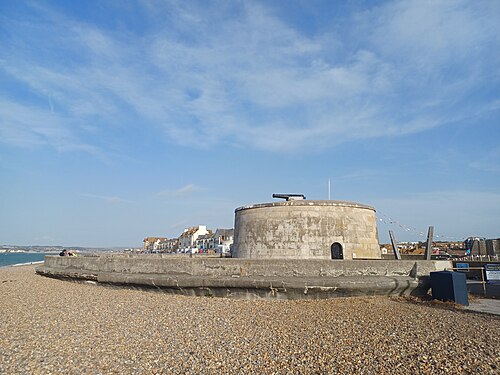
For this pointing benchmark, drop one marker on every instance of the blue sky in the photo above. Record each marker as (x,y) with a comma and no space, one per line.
(122,119)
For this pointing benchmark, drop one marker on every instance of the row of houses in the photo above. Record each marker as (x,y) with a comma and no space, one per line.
(470,246)
(192,240)
(482,246)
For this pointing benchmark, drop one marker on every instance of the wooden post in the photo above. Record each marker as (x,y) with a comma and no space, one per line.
(428,246)
(397,255)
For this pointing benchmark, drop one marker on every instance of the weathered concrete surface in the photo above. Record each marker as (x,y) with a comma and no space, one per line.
(232,267)
(305,229)
(244,278)
(489,306)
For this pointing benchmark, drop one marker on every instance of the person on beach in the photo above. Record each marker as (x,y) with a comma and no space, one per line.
(64,253)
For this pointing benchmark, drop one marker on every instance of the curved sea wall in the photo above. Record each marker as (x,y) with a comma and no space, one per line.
(248,278)
(306,229)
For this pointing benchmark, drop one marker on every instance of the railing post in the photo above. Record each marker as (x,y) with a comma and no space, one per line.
(428,247)
(397,255)
(482,279)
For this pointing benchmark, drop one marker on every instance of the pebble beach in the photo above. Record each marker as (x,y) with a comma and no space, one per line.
(55,326)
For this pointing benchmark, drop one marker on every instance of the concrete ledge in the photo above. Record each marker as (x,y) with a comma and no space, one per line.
(306,203)
(214,267)
(254,287)
(248,279)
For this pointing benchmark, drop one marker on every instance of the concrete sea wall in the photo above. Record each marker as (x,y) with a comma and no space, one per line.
(248,278)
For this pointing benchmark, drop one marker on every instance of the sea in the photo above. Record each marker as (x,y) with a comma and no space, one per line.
(10,259)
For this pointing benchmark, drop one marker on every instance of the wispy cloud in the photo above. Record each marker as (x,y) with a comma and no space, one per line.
(25,125)
(107,199)
(185,190)
(241,75)
(361,174)
(179,224)
(488,161)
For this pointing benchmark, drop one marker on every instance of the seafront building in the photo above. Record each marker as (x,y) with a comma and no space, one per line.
(152,243)
(205,242)
(169,245)
(482,246)
(193,239)
(187,240)
(493,247)
(223,240)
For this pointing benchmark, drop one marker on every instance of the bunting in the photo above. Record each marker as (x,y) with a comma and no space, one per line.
(396,223)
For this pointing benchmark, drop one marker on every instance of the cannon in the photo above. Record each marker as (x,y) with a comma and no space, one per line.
(290,197)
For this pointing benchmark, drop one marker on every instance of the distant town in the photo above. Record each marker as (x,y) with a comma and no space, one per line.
(200,240)
(192,240)
(470,247)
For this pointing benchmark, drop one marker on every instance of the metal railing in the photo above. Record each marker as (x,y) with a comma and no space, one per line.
(479,258)
(466,269)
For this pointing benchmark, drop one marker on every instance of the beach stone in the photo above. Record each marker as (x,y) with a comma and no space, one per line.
(54,326)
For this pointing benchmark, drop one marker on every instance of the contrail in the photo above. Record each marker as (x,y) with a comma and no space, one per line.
(50,103)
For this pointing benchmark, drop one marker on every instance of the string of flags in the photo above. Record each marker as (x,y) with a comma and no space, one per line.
(391,221)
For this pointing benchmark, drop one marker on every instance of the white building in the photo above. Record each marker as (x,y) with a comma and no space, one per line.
(168,245)
(223,239)
(187,240)
(151,243)
(204,242)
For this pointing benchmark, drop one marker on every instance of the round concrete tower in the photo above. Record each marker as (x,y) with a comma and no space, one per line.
(306,229)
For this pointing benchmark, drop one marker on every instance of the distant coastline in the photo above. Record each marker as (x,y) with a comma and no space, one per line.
(54,248)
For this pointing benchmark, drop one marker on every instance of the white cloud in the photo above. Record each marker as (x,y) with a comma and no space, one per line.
(204,77)
(361,174)
(107,199)
(29,126)
(427,34)
(179,224)
(182,191)
(488,161)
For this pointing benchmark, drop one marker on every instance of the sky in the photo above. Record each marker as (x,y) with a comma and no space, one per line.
(126,119)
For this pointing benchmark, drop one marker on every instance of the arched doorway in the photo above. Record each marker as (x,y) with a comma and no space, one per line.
(337,251)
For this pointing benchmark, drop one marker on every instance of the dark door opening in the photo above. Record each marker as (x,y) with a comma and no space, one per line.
(337,252)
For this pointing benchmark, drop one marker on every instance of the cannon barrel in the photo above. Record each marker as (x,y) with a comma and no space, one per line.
(290,197)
